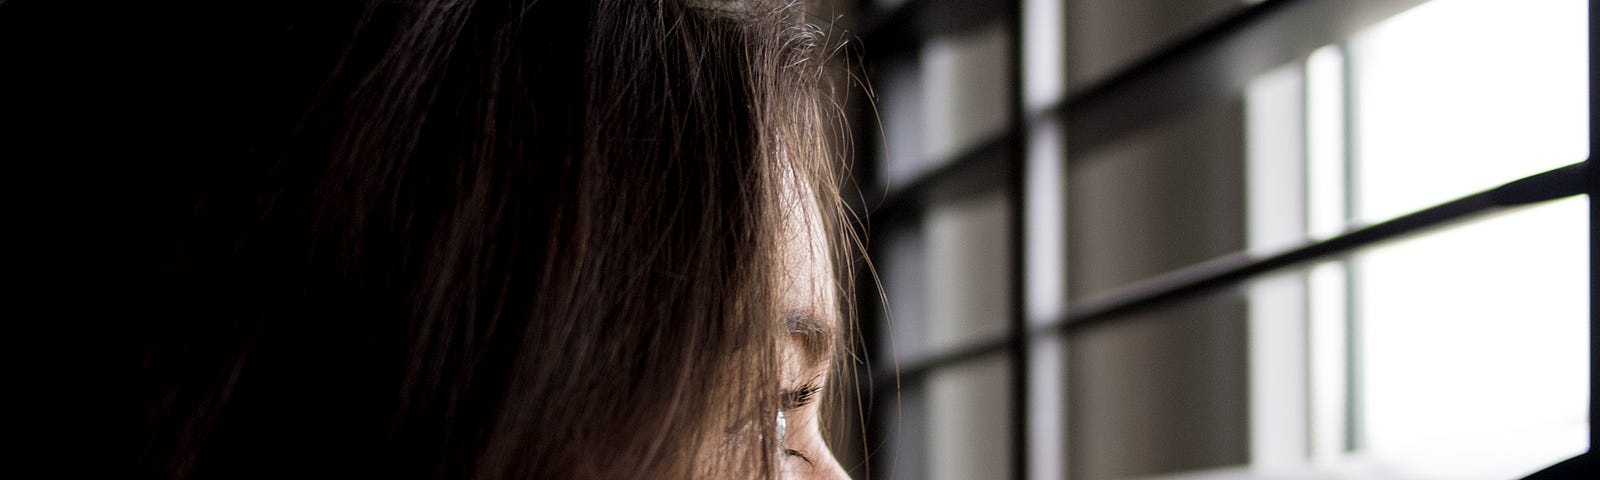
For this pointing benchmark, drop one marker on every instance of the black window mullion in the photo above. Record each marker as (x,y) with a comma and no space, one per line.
(1593,189)
(1018,337)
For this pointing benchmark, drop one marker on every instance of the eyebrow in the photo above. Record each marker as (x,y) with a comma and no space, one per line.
(815,337)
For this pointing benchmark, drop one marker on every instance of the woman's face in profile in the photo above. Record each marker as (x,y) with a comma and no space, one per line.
(811,318)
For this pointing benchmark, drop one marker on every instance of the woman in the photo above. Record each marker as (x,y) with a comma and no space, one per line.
(436,238)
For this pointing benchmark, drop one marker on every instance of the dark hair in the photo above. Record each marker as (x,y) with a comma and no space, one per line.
(424,238)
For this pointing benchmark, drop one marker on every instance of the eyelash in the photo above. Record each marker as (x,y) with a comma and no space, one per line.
(799,397)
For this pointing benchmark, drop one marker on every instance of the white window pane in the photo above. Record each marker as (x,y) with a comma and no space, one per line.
(1044,64)
(1159,391)
(903,264)
(966,89)
(1278,364)
(1166,196)
(1474,346)
(1326,203)
(1328,324)
(1275,151)
(1457,96)
(1046,224)
(1047,408)
(969,431)
(906,424)
(968,267)
(900,103)
(1106,35)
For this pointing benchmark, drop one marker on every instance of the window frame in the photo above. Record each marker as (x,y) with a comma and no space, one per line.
(893,31)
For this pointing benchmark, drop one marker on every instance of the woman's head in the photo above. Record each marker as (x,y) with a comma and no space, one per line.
(446,238)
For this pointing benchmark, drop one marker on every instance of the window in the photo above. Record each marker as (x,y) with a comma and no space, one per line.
(1228,239)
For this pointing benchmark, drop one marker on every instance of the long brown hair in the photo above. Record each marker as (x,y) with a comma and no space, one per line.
(423,238)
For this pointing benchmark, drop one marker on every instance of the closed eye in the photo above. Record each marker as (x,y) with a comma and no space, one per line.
(794,399)
(796,453)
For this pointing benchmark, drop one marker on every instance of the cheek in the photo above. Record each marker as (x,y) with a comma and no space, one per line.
(805,433)
(807,437)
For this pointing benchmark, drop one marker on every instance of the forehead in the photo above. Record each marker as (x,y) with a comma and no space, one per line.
(806,282)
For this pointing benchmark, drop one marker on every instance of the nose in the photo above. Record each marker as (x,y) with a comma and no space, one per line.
(826,468)
(832,471)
